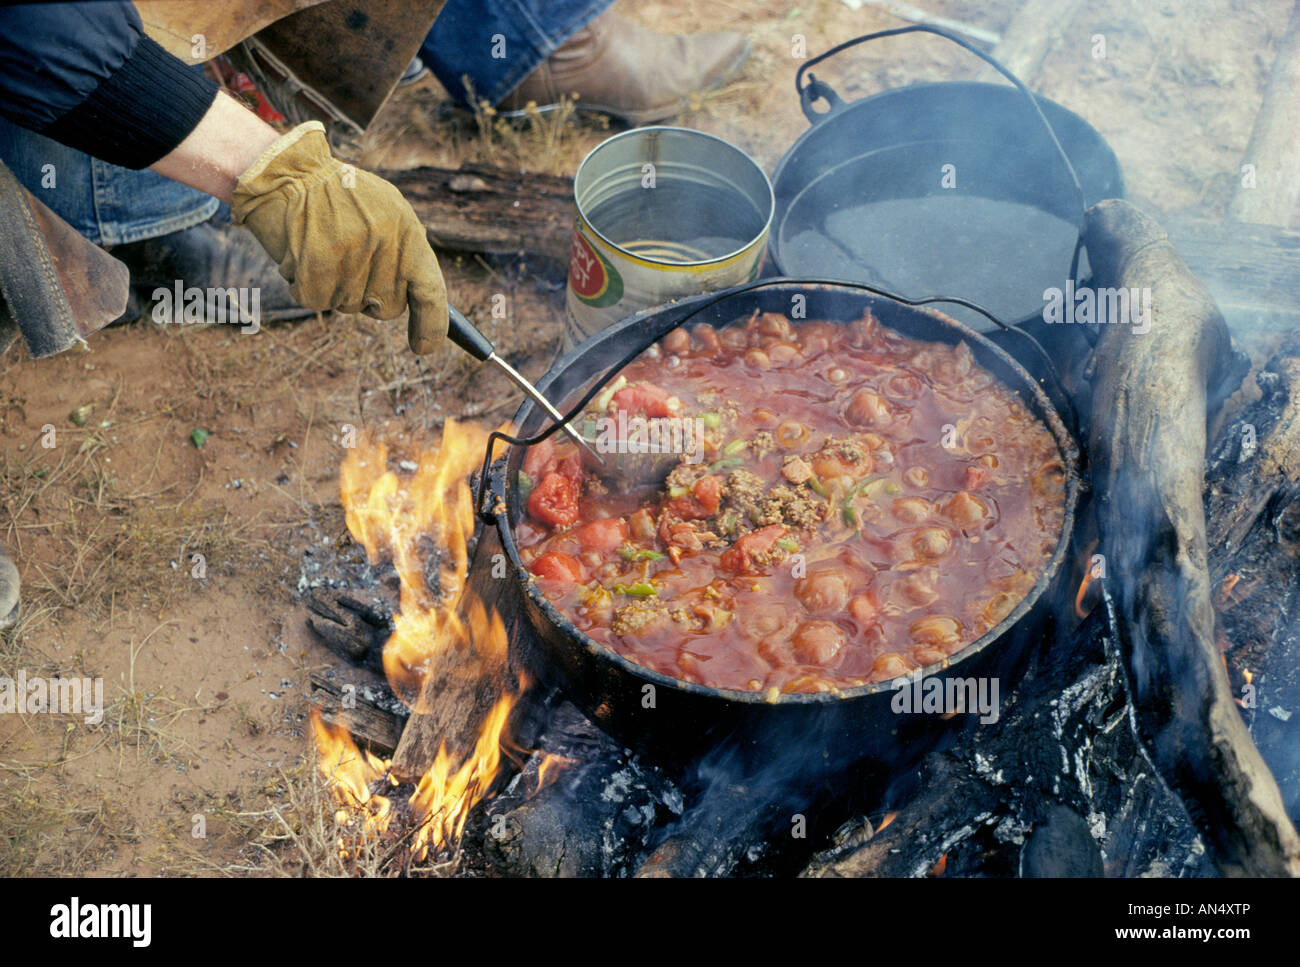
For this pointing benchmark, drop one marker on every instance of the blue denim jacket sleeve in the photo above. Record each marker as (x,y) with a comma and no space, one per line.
(86,75)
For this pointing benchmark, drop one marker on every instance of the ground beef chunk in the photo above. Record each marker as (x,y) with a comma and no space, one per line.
(762,444)
(743,490)
(684,475)
(639,617)
(796,507)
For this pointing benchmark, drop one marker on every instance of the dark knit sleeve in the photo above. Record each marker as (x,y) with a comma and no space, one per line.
(86,75)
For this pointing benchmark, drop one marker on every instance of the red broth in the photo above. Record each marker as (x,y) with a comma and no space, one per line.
(862,504)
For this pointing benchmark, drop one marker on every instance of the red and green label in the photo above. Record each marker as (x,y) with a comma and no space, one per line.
(593,280)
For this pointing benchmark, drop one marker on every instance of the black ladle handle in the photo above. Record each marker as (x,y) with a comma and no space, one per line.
(463,333)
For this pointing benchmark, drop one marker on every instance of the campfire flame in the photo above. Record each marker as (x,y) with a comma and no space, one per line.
(422,523)
(549,768)
(444,797)
(428,515)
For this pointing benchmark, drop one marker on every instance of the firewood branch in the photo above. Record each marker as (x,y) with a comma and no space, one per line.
(1148,458)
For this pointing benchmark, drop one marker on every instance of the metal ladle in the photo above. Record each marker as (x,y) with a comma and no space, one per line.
(462,332)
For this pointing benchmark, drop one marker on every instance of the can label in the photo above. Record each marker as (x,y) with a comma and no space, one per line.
(592,279)
(662,213)
(606,285)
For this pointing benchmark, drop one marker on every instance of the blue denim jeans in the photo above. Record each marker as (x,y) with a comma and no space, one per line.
(494,44)
(107,204)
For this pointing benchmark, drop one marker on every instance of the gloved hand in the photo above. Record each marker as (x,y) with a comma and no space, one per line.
(345,239)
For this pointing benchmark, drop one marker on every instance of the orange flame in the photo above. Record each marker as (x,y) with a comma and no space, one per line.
(1082,595)
(549,769)
(889,818)
(353,774)
(1249,677)
(422,523)
(443,798)
(430,514)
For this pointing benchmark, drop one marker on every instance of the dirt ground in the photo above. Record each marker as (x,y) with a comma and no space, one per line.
(205,660)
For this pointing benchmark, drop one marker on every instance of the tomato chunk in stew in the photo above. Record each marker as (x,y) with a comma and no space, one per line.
(856,505)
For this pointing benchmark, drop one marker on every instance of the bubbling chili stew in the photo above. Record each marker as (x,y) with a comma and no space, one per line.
(857,504)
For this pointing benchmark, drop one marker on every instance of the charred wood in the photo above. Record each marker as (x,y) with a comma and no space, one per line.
(376,725)
(1253,516)
(580,806)
(352,629)
(990,803)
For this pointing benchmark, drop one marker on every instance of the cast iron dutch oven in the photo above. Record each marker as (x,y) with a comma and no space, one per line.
(967,189)
(676,721)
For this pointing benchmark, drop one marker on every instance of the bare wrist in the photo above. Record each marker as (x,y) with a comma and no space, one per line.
(221,148)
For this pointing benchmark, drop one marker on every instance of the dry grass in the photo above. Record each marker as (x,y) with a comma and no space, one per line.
(139,720)
(44,831)
(421,126)
(293,829)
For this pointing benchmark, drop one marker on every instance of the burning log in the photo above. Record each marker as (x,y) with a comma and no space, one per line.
(464,676)
(732,824)
(1148,453)
(376,727)
(951,807)
(446,654)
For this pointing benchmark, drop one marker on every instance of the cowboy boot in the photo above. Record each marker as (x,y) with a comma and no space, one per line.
(216,257)
(616,67)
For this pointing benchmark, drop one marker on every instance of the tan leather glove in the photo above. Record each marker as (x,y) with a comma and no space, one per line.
(344,239)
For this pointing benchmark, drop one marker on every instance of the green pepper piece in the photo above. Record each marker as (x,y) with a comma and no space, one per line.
(642,589)
(734,447)
(711,420)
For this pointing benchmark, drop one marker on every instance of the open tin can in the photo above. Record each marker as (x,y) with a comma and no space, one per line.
(662,213)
